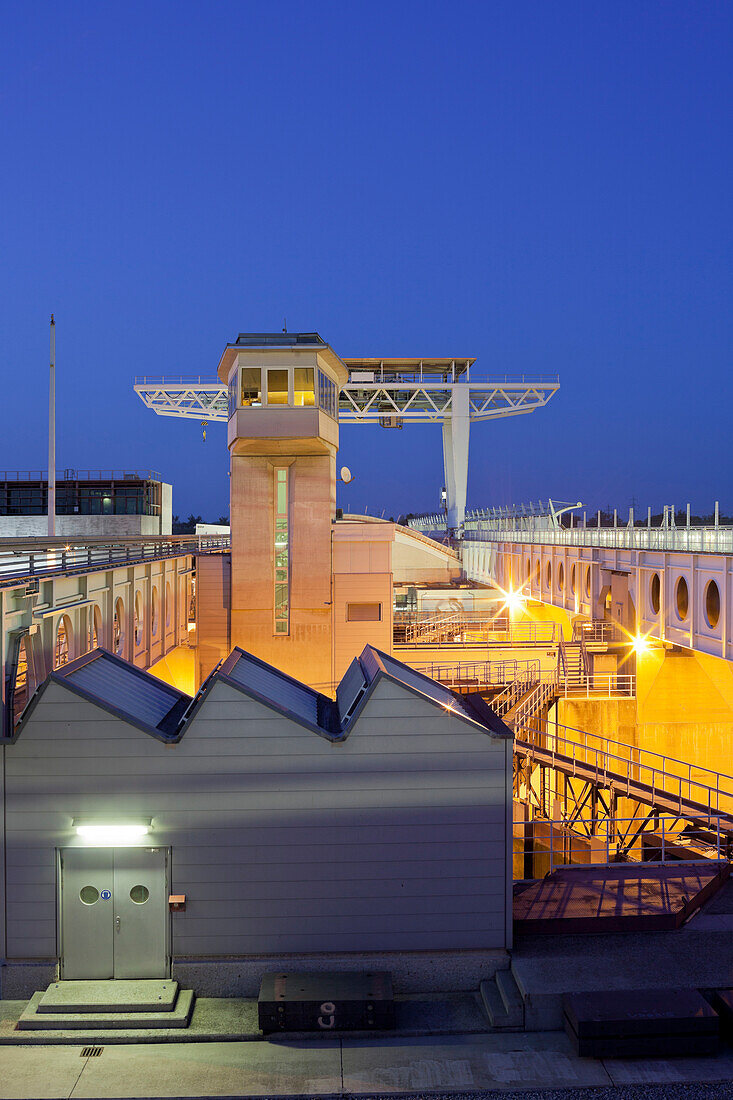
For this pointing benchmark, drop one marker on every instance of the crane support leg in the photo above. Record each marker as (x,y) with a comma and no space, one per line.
(455,457)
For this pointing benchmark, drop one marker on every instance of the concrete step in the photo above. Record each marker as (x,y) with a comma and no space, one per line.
(115,995)
(510,995)
(178,1017)
(500,1016)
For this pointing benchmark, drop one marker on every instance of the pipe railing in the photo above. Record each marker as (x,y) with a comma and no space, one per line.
(477,674)
(462,630)
(712,540)
(600,841)
(26,560)
(630,769)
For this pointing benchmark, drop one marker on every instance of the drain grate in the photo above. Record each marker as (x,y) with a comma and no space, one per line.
(90,1052)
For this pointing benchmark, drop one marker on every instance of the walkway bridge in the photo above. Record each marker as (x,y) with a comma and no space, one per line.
(670,582)
(585,782)
(59,598)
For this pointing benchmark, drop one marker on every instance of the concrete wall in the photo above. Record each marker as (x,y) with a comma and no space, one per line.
(362,573)
(160,588)
(213,610)
(579,579)
(306,651)
(33,527)
(397,840)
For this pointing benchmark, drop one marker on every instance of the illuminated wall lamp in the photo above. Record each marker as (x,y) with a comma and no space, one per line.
(118,833)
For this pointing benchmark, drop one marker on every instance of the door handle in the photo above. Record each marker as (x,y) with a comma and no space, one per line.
(117,923)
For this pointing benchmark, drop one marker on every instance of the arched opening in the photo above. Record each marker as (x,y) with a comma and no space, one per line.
(712,604)
(20,687)
(537,575)
(95,627)
(548,575)
(118,628)
(62,649)
(560,577)
(682,597)
(587,581)
(573,572)
(655,593)
(154,611)
(138,612)
(528,570)
(168,604)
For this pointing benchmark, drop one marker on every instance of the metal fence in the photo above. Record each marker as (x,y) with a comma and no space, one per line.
(632,771)
(544,845)
(26,560)
(472,631)
(712,540)
(477,674)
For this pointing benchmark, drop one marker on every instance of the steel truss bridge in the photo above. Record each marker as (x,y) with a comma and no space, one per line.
(391,393)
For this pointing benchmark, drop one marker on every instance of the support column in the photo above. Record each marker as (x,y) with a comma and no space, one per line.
(455,456)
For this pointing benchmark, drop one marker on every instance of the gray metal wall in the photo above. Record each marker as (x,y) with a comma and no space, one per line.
(283,842)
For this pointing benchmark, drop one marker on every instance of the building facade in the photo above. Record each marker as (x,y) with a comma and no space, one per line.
(281,822)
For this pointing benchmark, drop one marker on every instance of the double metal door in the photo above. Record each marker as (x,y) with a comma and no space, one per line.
(114,913)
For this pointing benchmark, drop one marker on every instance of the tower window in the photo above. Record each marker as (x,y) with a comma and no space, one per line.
(277,387)
(282,554)
(303,389)
(251,387)
(326,394)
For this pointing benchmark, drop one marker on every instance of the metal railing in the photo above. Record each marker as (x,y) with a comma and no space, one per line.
(25,560)
(71,473)
(477,674)
(467,631)
(607,685)
(597,630)
(524,683)
(635,772)
(711,540)
(598,841)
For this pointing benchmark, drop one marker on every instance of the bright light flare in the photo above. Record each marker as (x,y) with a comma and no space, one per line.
(514,600)
(640,644)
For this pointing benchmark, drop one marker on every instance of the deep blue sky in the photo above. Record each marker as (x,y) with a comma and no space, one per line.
(543,185)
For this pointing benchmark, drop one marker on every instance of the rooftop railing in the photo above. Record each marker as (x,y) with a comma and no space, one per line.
(71,473)
(30,559)
(706,540)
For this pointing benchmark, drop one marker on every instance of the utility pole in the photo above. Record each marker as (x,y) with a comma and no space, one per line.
(52,435)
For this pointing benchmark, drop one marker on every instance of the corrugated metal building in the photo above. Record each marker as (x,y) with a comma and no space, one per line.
(378,824)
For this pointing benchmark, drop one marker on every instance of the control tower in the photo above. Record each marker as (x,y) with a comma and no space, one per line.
(283,436)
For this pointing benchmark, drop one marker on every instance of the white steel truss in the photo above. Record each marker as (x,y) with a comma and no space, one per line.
(363,403)
(406,396)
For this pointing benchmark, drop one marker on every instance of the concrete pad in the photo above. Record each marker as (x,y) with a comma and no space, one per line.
(659,1071)
(458,1063)
(43,1073)
(228,1019)
(274,1068)
(81,1022)
(149,995)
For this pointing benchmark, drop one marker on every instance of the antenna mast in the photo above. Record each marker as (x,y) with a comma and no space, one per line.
(52,435)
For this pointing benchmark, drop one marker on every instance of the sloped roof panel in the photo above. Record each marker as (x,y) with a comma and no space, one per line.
(271,684)
(439,694)
(117,684)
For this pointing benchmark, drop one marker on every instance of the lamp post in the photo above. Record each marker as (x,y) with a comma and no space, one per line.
(52,435)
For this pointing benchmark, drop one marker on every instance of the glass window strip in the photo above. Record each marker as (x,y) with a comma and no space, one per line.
(281,571)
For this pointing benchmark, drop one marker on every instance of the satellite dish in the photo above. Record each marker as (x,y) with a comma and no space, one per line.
(346,474)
